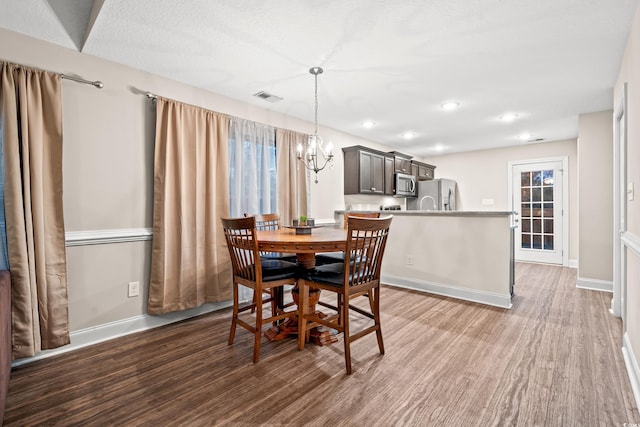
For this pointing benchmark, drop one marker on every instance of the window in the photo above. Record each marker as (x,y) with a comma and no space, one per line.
(252,168)
(537,209)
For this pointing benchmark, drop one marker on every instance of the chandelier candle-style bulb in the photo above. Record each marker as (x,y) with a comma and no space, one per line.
(315,145)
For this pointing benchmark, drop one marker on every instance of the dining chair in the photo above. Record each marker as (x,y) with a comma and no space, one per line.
(271,221)
(254,272)
(333,257)
(358,275)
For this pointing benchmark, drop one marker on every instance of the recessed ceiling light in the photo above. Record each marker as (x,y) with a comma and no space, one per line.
(524,136)
(368,124)
(448,106)
(408,135)
(509,117)
(439,147)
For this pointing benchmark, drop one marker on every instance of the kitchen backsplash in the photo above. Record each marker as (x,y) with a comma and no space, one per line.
(365,202)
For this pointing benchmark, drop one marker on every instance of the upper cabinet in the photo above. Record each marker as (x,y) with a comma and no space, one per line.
(368,171)
(364,171)
(422,171)
(389,170)
(401,163)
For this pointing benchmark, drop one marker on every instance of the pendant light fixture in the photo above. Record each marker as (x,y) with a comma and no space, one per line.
(310,155)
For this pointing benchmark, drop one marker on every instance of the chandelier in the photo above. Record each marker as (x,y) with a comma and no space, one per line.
(315,145)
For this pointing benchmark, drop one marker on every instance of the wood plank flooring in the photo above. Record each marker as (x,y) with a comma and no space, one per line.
(554,359)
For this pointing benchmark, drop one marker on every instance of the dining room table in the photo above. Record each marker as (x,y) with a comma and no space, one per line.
(305,246)
(315,240)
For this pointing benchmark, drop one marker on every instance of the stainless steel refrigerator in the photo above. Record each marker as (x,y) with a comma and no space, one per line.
(437,194)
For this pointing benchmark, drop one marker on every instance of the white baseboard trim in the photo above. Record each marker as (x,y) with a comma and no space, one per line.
(594,284)
(86,337)
(573,263)
(482,297)
(633,370)
(101,237)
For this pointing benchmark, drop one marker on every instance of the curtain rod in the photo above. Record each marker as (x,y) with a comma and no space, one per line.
(97,84)
(153,97)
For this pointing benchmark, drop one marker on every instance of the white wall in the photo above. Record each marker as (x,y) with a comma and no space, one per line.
(595,199)
(630,74)
(483,175)
(438,245)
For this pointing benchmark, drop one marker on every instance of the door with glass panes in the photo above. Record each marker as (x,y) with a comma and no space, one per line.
(537,199)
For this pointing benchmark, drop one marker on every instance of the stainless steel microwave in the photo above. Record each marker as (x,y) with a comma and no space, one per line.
(404,185)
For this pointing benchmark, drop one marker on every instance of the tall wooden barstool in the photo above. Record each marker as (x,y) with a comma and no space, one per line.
(358,275)
(331,257)
(253,272)
(271,221)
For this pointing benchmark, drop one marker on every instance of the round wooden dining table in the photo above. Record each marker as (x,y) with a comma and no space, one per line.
(305,246)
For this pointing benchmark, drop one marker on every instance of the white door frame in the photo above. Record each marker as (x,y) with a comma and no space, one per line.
(565,196)
(618,302)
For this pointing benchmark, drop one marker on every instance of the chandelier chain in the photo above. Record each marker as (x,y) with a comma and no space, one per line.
(316,103)
(315,144)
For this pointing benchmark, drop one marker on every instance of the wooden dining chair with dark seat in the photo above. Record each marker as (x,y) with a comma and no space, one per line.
(333,257)
(358,275)
(254,272)
(271,221)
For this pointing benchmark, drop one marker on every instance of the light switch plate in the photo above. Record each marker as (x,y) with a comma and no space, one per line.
(630,191)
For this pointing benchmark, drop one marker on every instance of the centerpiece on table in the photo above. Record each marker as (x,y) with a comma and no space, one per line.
(303,225)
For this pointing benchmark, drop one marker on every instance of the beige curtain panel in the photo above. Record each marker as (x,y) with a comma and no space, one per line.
(31,114)
(291,176)
(189,262)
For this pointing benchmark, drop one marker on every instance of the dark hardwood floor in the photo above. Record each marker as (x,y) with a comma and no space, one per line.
(554,359)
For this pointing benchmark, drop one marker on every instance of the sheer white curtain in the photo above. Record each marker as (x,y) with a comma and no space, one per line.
(252,170)
(252,162)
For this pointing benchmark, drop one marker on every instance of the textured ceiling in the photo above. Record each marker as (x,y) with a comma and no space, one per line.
(392,62)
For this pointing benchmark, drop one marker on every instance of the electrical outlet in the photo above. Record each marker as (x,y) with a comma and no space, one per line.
(630,191)
(487,202)
(409,260)
(134,289)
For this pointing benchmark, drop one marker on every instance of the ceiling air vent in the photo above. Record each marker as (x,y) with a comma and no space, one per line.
(268,97)
(536,140)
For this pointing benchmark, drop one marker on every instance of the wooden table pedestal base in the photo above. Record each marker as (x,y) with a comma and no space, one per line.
(289,327)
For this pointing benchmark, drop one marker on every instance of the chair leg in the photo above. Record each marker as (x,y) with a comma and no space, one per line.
(234,315)
(274,307)
(347,339)
(303,302)
(376,317)
(258,332)
(253,302)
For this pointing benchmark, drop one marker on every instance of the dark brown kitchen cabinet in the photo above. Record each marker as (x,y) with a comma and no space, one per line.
(389,170)
(402,163)
(364,171)
(422,171)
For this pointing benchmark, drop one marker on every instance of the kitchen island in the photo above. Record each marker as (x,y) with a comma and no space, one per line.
(460,254)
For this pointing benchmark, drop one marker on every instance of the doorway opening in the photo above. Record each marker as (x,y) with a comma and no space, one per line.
(618,302)
(538,196)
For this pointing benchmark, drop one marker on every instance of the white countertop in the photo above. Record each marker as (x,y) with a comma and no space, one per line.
(435,213)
